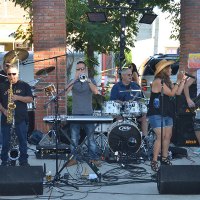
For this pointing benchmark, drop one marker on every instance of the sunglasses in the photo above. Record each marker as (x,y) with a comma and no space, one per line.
(9,74)
(80,69)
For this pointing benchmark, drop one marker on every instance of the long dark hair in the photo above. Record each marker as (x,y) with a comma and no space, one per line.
(133,67)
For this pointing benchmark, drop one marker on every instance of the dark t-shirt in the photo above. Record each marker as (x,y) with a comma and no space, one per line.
(21,88)
(118,92)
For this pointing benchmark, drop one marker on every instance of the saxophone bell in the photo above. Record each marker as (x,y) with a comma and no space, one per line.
(14,153)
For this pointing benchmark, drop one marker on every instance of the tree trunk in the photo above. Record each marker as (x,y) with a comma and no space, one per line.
(190,31)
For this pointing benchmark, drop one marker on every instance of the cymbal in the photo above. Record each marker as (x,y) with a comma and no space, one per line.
(14,55)
(45,71)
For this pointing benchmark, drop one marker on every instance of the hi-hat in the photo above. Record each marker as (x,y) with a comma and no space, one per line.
(45,71)
(14,55)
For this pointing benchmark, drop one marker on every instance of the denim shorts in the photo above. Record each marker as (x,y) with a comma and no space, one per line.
(155,121)
(197,125)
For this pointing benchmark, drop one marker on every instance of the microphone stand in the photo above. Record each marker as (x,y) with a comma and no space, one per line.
(162,109)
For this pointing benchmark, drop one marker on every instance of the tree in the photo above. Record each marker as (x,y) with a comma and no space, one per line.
(100,37)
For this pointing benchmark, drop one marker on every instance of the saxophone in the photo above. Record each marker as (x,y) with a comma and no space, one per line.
(13,152)
(11,106)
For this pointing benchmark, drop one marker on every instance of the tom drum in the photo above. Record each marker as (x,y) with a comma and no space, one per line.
(111,108)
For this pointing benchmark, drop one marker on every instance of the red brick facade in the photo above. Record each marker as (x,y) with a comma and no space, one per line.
(49,31)
(190,30)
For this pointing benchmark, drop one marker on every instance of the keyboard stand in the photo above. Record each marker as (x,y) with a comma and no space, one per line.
(77,151)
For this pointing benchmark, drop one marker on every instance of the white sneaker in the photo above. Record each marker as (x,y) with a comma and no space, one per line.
(197,151)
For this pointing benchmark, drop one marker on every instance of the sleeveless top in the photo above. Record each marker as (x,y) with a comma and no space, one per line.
(155,105)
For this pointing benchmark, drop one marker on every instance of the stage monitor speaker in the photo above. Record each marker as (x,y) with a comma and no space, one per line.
(179,179)
(21,180)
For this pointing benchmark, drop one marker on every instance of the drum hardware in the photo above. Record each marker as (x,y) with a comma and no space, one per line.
(14,55)
(34,82)
(132,90)
(50,90)
(45,71)
(37,90)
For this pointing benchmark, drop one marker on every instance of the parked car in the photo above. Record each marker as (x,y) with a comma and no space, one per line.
(149,69)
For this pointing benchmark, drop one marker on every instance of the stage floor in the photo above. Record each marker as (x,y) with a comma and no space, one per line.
(119,180)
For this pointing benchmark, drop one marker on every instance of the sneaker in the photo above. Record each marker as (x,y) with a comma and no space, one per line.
(24,164)
(197,151)
(96,162)
(71,163)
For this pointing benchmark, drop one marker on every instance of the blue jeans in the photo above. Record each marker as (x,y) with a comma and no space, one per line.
(75,136)
(155,121)
(21,132)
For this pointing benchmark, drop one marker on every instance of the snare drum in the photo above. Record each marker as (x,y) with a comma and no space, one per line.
(132,108)
(111,108)
(124,137)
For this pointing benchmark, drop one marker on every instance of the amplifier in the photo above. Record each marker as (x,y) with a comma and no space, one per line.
(49,151)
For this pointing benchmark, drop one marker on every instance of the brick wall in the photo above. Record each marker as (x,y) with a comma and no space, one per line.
(49,30)
(190,30)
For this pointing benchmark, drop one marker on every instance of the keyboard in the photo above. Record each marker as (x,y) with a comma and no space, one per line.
(89,118)
(78,118)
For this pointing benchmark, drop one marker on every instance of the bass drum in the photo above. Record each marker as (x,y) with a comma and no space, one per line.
(124,137)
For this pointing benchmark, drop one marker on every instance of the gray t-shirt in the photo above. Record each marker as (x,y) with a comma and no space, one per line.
(82,98)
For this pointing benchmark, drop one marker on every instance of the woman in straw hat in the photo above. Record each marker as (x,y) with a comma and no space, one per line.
(156,115)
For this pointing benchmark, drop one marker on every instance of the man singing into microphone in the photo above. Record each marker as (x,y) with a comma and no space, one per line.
(82,89)
(192,90)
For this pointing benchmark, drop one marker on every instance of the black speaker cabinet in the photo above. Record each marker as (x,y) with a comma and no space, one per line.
(179,179)
(183,131)
(21,180)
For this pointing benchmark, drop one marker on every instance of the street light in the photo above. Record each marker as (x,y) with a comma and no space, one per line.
(96,16)
(147,18)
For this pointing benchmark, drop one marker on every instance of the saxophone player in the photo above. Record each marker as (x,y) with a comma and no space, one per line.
(14,102)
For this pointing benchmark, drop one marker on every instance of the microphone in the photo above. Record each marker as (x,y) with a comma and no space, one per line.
(189,75)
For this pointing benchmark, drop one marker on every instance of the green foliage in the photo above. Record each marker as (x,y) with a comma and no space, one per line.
(69,105)
(104,37)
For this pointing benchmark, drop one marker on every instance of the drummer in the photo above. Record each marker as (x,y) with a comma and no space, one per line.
(123,91)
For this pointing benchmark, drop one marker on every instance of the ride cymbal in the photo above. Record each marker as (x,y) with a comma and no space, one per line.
(14,55)
(45,71)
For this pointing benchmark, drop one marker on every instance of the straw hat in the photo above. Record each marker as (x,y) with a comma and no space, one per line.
(162,64)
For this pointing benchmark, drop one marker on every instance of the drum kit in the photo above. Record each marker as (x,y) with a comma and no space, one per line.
(124,136)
